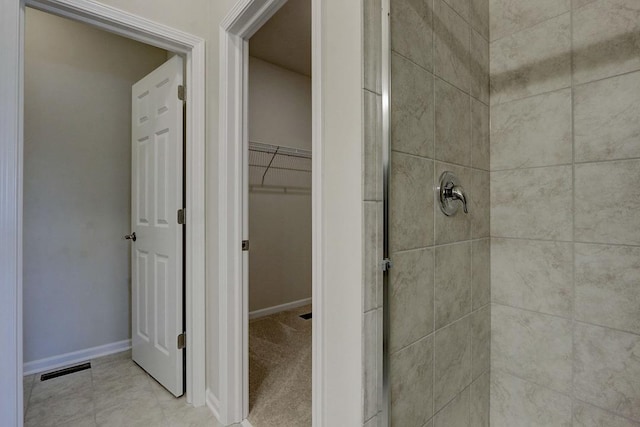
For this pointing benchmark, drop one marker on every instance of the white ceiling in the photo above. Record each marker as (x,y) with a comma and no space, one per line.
(285,40)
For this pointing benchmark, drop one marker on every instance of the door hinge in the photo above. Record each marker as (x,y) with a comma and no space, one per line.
(386,264)
(245,245)
(182,340)
(181,94)
(182,216)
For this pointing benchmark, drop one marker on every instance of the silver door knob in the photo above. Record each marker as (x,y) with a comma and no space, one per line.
(451,192)
(131,236)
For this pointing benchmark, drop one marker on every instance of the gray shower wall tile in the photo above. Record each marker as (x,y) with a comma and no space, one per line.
(610,219)
(533,61)
(479,67)
(372,140)
(480,273)
(412,30)
(607,368)
(480,341)
(607,286)
(532,203)
(451,46)
(589,416)
(515,401)
(534,275)
(479,17)
(452,283)
(372,354)
(456,413)
(411,374)
(480,147)
(411,202)
(480,401)
(411,297)
(452,124)
(610,50)
(372,43)
(534,131)
(606,119)
(372,237)
(535,347)
(511,16)
(412,108)
(479,200)
(452,363)
(454,228)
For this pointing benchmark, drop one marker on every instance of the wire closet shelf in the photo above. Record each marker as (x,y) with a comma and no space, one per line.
(279,169)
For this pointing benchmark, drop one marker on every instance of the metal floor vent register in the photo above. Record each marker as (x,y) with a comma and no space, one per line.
(65,371)
(306,316)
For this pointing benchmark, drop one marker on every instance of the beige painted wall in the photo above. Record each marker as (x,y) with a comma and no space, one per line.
(77,190)
(279,224)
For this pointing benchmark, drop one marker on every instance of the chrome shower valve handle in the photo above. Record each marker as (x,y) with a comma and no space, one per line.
(451,192)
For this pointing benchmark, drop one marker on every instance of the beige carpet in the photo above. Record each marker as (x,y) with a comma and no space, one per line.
(280,370)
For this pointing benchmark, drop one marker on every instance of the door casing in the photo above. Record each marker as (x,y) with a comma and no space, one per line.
(11,166)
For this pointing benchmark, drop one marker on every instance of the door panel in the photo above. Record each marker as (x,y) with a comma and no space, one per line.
(157,183)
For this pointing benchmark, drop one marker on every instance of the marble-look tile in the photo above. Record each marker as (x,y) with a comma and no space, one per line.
(480,397)
(607,291)
(27,386)
(533,61)
(452,365)
(452,124)
(514,401)
(87,420)
(454,228)
(371,344)
(580,3)
(372,141)
(479,67)
(76,384)
(451,39)
(480,341)
(411,202)
(607,368)
(480,273)
(479,199)
(372,42)
(534,131)
(411,375)
(410,297)
(412,110)
(108,394)
(606,118)
(479,17)
(372,237)
(589,416)
(192,417)
(535,347)
(412,30)
(511,16)
(461,7)
(532,203)
(452,283)
(606,36)
(59,408)
(138,411)
(535,275)
(456,413)
(373,422)
(607,202)
(480,148)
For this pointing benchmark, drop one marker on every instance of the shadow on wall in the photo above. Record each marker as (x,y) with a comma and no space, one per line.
(539,71)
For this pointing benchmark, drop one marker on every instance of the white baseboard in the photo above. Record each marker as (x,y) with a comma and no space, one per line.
(67,359)
(278,308)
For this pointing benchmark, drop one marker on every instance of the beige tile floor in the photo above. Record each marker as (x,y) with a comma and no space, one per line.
(114,392)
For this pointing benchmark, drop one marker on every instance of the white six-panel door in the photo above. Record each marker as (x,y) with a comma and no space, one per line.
(157,253)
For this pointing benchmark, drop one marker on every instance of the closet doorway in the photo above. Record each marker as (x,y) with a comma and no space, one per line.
(278,202)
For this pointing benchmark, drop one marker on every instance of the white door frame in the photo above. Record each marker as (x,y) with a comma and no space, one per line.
(246,17)
(11,171)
